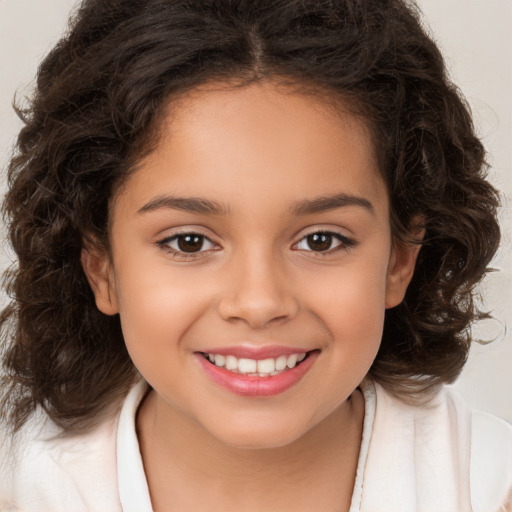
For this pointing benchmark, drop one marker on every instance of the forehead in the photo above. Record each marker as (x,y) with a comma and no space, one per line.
(257,144)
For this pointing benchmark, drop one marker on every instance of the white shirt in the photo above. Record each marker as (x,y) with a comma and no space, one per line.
(440,457)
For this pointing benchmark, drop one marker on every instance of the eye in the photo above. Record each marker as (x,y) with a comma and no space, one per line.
(185,245)
(324,241)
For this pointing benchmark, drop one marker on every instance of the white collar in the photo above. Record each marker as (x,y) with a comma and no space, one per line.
(133,487)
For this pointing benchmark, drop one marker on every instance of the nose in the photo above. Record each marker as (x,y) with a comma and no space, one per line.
(258,291)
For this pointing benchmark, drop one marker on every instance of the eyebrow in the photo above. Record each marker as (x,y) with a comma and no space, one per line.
(208,207)
(326,203)
(186,204)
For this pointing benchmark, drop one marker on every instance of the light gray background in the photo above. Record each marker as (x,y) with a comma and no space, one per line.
(476,38)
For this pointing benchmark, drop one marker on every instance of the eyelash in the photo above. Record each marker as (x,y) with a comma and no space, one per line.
(345,244)
(182,255)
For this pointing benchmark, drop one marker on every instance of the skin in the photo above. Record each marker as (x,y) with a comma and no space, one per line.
(258,151)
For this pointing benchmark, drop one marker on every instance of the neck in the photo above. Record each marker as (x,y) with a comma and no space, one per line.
(316,471)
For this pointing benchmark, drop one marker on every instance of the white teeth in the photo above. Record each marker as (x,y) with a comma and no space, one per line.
(281,363)
(247,366)
(266,366)
(231,363)
(290,362)
(219,360)
(263,367)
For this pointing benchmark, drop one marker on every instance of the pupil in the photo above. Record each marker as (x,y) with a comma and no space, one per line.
(320,241)
(190,243)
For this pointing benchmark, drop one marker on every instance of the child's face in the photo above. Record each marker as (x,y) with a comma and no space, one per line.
(251,175)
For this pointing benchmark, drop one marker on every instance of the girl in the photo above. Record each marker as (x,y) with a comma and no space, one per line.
(248,236)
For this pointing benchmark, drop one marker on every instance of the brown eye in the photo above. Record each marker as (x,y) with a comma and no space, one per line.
(324,242)
(319,241)
(190,243)
(187,244)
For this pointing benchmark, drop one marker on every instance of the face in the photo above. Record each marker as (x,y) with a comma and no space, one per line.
(252,262)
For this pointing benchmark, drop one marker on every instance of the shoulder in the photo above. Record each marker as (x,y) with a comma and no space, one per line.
(491,462)
(440,455)
(43,470)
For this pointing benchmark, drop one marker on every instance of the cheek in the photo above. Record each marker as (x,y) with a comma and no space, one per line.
(351,303)
(156,307)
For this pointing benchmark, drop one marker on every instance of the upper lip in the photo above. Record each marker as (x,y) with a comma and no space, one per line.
(256,352)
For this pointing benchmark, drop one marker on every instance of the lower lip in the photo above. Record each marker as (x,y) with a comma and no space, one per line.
(255,386)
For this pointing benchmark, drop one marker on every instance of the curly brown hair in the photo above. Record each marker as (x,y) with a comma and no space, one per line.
(95,112)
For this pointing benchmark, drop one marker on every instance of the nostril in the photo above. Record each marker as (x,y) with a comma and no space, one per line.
(256,302)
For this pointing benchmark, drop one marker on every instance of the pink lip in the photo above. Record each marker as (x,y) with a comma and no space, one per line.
(254,386)
(257,353)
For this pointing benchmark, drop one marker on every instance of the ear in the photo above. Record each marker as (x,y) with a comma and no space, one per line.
(98,269)
(401,269)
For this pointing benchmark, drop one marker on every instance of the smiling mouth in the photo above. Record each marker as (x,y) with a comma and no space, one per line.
(268,367)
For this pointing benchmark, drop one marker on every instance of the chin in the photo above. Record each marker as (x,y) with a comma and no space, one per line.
(259,435)
(259,441)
